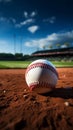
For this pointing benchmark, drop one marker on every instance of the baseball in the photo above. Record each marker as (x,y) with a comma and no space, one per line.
(41,76)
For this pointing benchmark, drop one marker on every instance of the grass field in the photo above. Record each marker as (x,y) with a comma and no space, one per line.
(24,64)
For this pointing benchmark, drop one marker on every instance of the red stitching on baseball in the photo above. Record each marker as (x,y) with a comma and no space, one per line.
(42,84)
(42,65)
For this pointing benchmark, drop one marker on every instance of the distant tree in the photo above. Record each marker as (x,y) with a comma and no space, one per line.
(58,45)
(44,47)
(50,47)
(67,44)
(26,57)
(18,55)
(6,56)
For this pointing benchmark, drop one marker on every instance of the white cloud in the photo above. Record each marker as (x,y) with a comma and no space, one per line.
(25,14)
(28,21)
(7,20)
(52,39)
(4,19)
(33,14)
(12,20)
(33,29)
(29,18)
(36,43)
(61,37)
(63,46)
(50,20)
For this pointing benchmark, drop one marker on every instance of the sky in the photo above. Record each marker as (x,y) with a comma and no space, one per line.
(30,25)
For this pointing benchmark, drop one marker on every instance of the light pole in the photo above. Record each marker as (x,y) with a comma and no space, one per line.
(14,43)
(21,44)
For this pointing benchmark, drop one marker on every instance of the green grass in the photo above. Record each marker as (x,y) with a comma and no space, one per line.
(14,64)
(24,64)
(63,63)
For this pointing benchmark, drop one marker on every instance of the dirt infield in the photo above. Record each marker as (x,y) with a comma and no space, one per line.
(21,109)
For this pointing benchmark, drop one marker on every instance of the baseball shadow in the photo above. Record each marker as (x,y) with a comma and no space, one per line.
(65,93)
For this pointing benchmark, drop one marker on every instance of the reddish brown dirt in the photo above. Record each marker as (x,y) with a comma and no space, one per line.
(21,109)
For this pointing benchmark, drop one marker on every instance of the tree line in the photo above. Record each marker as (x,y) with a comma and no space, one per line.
(10,56)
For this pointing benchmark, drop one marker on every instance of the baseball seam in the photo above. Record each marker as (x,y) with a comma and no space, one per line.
(42,65)
(41,84)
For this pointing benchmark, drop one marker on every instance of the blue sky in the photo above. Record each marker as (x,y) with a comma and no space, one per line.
(28,25)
